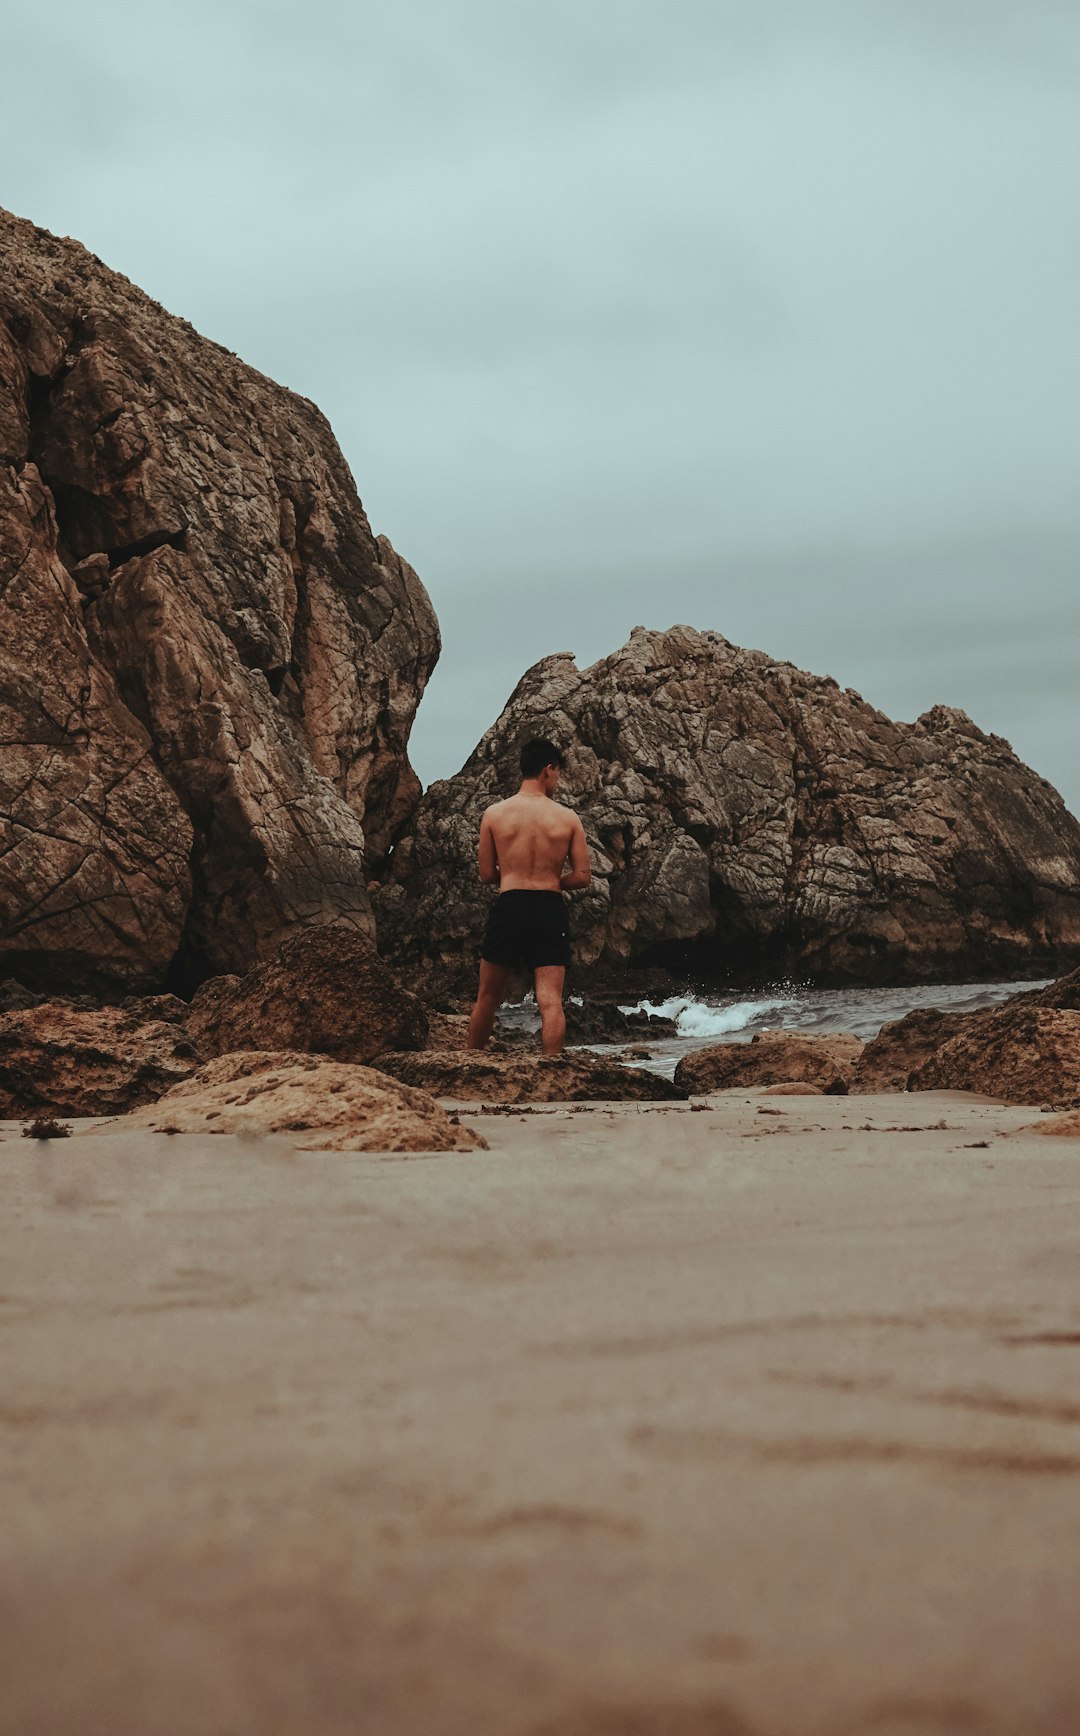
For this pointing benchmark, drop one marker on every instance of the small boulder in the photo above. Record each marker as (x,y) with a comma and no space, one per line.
(326,990)
(65,1059)
(1019,1053)
(492,1078)
(794,1088)
(1057,1126)
(327,1105)
(826,1059)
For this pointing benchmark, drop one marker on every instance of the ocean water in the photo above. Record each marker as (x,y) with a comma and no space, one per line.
(701,1020)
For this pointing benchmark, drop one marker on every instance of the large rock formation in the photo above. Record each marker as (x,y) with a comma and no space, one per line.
(742,814)
(209,666)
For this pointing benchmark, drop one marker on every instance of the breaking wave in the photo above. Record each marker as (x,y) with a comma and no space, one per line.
(694,1018)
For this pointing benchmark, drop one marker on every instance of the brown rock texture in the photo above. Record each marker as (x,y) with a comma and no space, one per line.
(80,1060)
(573,1078)
(1057,1126)
(889,1059)
(210,664)
(744,814)
(1018,1053)
(326,989)
(94,844)
(334,1105)
(773,1058)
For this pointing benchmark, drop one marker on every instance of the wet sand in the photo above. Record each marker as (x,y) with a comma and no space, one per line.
(757,1421)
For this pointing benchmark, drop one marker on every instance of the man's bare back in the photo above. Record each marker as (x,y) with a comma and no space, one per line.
(525,843)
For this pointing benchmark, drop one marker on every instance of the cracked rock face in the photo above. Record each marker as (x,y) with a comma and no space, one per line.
(742,814)
(64,1059)
(209,665)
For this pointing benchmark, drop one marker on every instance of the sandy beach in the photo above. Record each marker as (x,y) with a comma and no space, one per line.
(754,1419)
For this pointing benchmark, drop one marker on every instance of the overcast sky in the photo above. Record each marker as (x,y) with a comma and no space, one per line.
(760,316)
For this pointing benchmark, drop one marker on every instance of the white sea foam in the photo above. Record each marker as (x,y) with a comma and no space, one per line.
(694,1018)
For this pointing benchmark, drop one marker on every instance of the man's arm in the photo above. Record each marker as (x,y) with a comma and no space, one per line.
(487,860)
(580,873)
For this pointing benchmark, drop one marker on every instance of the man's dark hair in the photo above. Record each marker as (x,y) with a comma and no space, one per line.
(537,754)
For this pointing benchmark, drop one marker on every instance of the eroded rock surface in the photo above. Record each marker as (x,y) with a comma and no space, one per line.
(325,1105)
(209,666)
(95,885)
(826,1060)
(1018,1053)
(889,1059)
(65,1059)
(571,1078)
(325,990)
(742,812)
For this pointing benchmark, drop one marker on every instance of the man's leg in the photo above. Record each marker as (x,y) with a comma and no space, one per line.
(494,982)
(548,982)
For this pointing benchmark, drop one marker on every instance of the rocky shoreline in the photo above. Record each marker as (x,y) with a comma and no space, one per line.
(328,996)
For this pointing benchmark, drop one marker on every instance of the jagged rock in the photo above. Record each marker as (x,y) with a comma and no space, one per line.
(1018,1053)
(889,1059)
(742,813)
(65,1059)
(575,1078)
(593,1022)
(326,990)
(601,1022)
(333,1105)
(827,1060)
(211,662)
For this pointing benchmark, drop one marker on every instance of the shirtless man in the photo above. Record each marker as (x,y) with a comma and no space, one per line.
(526,844)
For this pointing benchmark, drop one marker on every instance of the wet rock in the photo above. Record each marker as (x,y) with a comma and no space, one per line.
(325,990)
(64,1059)
(603,1022)
(1018,1053)
(209,661)
(744,814)
(773,1058)
(492,1078)
(323,1105)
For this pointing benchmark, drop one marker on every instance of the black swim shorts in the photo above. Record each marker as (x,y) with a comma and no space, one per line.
(527,928)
